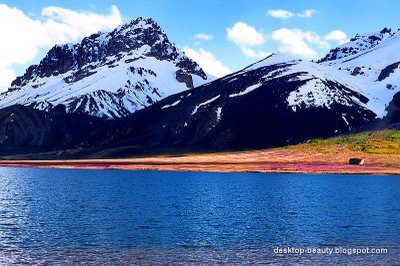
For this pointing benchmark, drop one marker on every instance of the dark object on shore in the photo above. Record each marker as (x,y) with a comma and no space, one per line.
(356,161)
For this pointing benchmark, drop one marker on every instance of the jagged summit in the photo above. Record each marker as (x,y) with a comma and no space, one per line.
(107,74)
(358,44)
(371,62)
(273,59)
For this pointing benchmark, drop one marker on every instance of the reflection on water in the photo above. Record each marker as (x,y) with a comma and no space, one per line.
(70,216)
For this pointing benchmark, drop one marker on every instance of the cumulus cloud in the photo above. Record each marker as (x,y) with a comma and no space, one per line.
(246,36)
(285,14)
(338,36)
(74,25)
(297,42)
(207,62)
(203,37)
(314,38)
(255,54)
(6,76)
(27,36)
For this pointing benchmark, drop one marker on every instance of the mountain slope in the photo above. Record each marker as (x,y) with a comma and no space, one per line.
(24,130)
(370,62)
(108,74)
(275,102)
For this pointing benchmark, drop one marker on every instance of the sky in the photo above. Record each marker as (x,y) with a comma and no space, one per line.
(223,36)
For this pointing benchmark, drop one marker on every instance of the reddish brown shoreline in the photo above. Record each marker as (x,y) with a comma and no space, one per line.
(163,165)
(380,151)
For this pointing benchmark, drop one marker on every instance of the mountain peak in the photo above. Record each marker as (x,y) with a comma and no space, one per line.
(129,67)
(358,44)
(371,62)
(273,59)
(277,58)
(386,30)
(140,24)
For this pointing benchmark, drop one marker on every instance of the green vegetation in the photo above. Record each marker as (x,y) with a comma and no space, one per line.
(370,142)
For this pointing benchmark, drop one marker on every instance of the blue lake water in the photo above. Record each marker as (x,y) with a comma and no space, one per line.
(71,216)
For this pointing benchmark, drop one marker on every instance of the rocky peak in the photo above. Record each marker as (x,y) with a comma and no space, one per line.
(140,36)
(108,74)
(358,44)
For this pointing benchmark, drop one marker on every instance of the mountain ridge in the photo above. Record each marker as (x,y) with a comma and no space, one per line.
(277,101)
(245,110)
(131,67)
(372,66)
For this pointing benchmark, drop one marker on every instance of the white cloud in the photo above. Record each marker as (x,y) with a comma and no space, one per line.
(280,13)
(302,43)
(255,54)
(27,36)
(78,24)
(297,42)
(6,76)
(308,13)
(285,14)
(313,38)
(338,36)
(203,37)
(244,35)
(207,62)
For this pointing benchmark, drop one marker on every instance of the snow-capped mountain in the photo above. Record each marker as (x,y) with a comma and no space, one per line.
(109,74)
(277,101)
(371,63)
(321,87)
(358,44)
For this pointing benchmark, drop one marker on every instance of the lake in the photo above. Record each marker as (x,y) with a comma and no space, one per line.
(118,217)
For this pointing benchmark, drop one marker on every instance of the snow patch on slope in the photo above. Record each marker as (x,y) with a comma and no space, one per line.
(171,105)
(219,113)
(247,90)
(204,103)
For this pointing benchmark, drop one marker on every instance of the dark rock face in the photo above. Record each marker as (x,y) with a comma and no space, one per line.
(97,47)
(393,112)
(392,118)
(357,71)
(182,77)
(387,71)
(24,130)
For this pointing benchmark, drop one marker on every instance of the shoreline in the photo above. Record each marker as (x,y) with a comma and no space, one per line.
(228,167)
(379,150)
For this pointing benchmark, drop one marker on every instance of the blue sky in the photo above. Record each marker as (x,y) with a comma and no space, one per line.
(239,32)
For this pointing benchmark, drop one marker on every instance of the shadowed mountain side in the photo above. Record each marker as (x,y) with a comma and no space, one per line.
(27,130)
(219,116)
